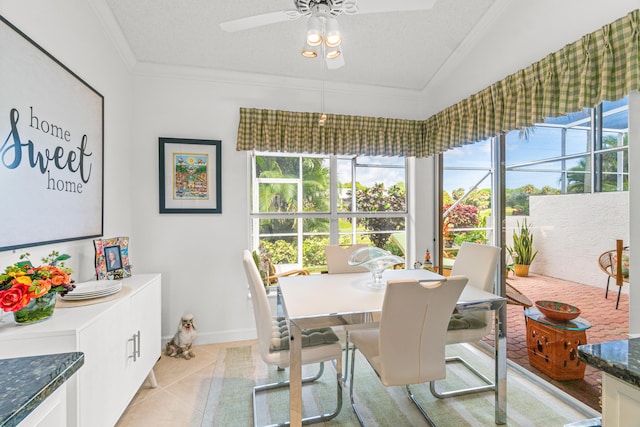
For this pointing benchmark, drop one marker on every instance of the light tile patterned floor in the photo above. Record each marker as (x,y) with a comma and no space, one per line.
(183,385)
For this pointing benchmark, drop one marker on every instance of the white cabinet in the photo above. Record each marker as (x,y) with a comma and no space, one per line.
(121,340)
(620,402)
(52,412)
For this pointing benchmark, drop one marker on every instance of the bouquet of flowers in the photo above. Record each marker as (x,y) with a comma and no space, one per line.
(22,282)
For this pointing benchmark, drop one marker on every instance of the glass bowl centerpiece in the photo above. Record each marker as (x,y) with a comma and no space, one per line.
(375,260)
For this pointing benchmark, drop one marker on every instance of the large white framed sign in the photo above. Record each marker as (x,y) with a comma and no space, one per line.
(51,147)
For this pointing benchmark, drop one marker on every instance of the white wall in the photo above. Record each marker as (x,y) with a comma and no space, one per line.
(199,256)
(71,31)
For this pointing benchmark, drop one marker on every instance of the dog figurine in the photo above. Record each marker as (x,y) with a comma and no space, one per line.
(180,344)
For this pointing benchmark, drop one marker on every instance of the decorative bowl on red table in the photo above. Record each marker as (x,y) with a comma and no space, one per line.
(556,310)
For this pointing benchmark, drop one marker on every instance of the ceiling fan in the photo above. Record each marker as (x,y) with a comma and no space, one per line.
(322,24)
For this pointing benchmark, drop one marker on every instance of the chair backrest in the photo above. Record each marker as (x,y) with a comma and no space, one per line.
(338,259)
(261,307)
(413,329)
(478,263)
(605,261)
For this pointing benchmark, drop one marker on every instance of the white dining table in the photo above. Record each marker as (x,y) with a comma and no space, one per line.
(320,300)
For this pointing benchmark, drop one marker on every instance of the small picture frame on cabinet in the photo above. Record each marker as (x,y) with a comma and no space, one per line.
(112,258)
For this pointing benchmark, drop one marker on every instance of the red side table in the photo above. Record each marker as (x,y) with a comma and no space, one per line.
(553,345)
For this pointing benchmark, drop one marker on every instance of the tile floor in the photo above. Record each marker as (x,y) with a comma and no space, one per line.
(181,395)
(184,384)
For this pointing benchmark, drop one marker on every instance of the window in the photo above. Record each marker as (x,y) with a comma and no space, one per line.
(301,203)
(581,152)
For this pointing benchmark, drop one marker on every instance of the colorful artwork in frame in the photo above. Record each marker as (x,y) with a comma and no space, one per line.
(112,258)
(190,176)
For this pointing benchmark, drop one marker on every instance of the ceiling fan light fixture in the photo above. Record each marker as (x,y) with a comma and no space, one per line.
(314,31)
(333,52)
(333,38)
(309,51)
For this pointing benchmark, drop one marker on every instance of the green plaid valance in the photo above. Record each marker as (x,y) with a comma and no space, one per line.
(294,132)
(601,66)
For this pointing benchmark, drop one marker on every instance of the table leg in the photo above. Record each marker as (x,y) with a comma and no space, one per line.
(295,376)
(500,357)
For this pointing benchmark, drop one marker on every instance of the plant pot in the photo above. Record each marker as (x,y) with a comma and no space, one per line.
(37,310)
(521,270)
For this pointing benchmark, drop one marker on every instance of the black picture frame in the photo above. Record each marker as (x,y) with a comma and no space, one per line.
(46,108)
(190,176)
(116,263)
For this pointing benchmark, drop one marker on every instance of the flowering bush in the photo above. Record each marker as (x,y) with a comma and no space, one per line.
(20,283)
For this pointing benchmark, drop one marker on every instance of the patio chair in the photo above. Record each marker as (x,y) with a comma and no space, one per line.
(318,345)
(273,276)
(606,264)
(409,346)
(478,263)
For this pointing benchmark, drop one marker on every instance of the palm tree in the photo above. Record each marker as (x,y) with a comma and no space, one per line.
(577,176)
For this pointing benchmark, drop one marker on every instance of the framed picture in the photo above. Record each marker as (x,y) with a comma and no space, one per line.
(112,258)
(51,152)
(190,175)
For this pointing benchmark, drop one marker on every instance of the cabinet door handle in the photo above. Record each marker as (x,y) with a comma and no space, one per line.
(136,346)
(138,349)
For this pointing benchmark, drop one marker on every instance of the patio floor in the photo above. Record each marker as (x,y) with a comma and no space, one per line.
(608,324)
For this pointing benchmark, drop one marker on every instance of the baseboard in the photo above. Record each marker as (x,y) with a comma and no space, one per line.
(219,337)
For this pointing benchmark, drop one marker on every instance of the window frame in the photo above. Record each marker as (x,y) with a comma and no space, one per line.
(333,215)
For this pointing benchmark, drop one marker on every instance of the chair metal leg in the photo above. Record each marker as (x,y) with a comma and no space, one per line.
(441,395)
(309,420)
(353,404)
(409,393)
(618,301)
(422,411)
(606,294)
(346,357)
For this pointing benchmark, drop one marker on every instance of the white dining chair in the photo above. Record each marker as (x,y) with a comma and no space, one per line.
(478,263)
(338,259)
(273,343)
(338,263)
(409,346)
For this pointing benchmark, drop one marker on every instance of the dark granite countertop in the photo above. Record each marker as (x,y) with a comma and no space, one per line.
(620,359)
(27,381)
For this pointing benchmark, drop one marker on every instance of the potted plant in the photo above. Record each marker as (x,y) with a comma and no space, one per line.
(522,251)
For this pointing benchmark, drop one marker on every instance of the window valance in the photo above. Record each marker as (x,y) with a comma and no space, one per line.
(296,132)
(603,65)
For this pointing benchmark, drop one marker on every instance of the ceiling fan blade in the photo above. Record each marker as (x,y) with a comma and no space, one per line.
(259,20)
(378,6)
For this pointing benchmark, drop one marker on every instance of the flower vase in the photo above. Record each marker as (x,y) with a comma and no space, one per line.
(37,310)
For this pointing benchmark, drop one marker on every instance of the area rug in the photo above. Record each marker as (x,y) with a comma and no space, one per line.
(238,369)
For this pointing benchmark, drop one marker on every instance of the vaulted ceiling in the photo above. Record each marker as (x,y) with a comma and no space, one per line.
(393,49)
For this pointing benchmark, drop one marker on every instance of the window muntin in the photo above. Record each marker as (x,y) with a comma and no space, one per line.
(291,204)
(554,157)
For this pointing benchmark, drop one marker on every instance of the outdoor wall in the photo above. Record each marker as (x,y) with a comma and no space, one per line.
(572,230)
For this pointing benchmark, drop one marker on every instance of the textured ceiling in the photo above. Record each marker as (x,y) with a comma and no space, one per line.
(396,49)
